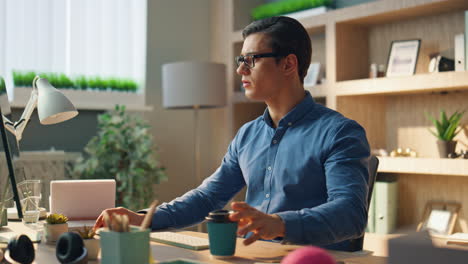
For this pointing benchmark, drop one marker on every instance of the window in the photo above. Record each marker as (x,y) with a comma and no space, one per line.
(105,38)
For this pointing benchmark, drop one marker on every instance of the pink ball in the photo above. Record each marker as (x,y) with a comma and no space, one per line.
(308,255)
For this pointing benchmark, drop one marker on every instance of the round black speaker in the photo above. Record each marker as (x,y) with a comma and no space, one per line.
(21,249)
(70,247)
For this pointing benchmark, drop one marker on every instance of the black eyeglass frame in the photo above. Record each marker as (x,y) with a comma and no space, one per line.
(241,58)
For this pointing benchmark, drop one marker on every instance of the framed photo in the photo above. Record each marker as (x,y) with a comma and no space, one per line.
(439,217)
(314,73)
(403,57)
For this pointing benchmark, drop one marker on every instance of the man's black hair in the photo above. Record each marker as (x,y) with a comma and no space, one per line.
(287,36)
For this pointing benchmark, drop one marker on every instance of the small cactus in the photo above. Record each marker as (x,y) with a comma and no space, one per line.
(86,232)
(53,219)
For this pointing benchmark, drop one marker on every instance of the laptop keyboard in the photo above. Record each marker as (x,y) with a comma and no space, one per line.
(180,240)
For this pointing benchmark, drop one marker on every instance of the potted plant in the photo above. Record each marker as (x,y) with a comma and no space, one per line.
(55,225)
(91,243)
(446,130)
(287,6)
(123,150)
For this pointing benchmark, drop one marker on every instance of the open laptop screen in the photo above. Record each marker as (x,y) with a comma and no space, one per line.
(81,199)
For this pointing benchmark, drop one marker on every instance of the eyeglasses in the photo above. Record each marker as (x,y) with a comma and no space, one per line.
(249,60)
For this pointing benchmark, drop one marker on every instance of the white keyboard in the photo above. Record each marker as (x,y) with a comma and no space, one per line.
(180,240)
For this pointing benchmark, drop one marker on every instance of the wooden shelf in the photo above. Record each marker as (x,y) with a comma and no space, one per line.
(89,100)
(434,166)
(430,82)
(387,11)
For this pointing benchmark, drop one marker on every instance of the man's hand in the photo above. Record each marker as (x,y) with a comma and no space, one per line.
(262,225)
(134,218)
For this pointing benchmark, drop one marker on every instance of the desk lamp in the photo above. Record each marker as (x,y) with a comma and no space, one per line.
(194,85)
(52,107)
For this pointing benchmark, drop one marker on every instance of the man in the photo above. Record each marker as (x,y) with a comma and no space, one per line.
(305,166)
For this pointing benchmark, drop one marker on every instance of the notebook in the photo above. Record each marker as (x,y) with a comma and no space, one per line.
(82,201)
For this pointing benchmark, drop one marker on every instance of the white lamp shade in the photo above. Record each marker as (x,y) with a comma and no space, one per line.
(52,106)
(193,84)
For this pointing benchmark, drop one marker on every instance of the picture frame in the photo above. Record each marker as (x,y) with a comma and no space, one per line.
(403,57)
(314,73)
(439,217)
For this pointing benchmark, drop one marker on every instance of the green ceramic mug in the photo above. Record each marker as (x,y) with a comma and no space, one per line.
(221,234)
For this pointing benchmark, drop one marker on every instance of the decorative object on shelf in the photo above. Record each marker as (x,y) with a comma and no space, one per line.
(314,74)
(379,152)
(123,150)
(407,152)
(446,130)
(460,52)
(403,57)
(462,154)
(381,71)
(376,71)
(373,71)
(90,243)
(439,63)
(56,224)
(290,6)
(439,217)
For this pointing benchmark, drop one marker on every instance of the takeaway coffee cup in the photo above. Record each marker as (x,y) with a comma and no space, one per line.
(221,234)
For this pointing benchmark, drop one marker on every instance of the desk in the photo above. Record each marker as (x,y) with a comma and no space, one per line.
(259,251)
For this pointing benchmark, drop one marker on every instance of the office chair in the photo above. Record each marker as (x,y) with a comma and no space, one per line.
(357,243)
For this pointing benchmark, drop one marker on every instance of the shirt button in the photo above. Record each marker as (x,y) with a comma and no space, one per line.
(269,168)
(275,141)
(289,124)
(267,195)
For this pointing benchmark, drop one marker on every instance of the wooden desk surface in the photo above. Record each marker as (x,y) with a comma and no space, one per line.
(260,251)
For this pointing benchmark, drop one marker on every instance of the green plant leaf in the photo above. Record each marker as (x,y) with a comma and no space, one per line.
(123,149)
(446,128)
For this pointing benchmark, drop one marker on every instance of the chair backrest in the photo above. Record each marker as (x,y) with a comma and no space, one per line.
(357,243)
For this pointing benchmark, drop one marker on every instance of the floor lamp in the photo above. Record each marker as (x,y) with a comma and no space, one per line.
(194,85)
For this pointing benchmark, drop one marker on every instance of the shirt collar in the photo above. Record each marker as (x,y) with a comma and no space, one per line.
(294,115)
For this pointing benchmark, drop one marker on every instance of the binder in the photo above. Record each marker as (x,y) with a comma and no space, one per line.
(466,40)
(386,203)
(371,215)
(460,52)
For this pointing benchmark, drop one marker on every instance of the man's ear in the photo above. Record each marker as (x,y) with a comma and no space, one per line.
(290,64)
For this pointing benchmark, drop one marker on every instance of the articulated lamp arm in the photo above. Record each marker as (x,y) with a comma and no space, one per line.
(18,127)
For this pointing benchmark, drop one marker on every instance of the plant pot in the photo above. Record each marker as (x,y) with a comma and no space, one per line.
(93,246)
(446,147)
(53,231)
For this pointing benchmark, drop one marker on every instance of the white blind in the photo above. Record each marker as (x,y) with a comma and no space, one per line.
(105,38)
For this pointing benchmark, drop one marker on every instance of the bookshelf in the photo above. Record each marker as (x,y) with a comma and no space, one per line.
(392,110)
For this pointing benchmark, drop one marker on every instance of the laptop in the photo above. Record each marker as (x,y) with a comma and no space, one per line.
(82,201)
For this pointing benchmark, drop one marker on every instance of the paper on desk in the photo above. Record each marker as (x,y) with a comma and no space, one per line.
(6,236)
(459,236)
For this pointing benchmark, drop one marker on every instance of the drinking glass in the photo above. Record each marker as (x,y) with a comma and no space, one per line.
(30,197)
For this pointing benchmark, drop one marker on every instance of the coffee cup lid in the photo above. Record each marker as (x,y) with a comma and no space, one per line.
(219,216)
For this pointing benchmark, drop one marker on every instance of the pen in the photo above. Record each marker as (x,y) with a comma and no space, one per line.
(149,215)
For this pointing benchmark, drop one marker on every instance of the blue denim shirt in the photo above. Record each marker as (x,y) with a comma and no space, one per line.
(311,171)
